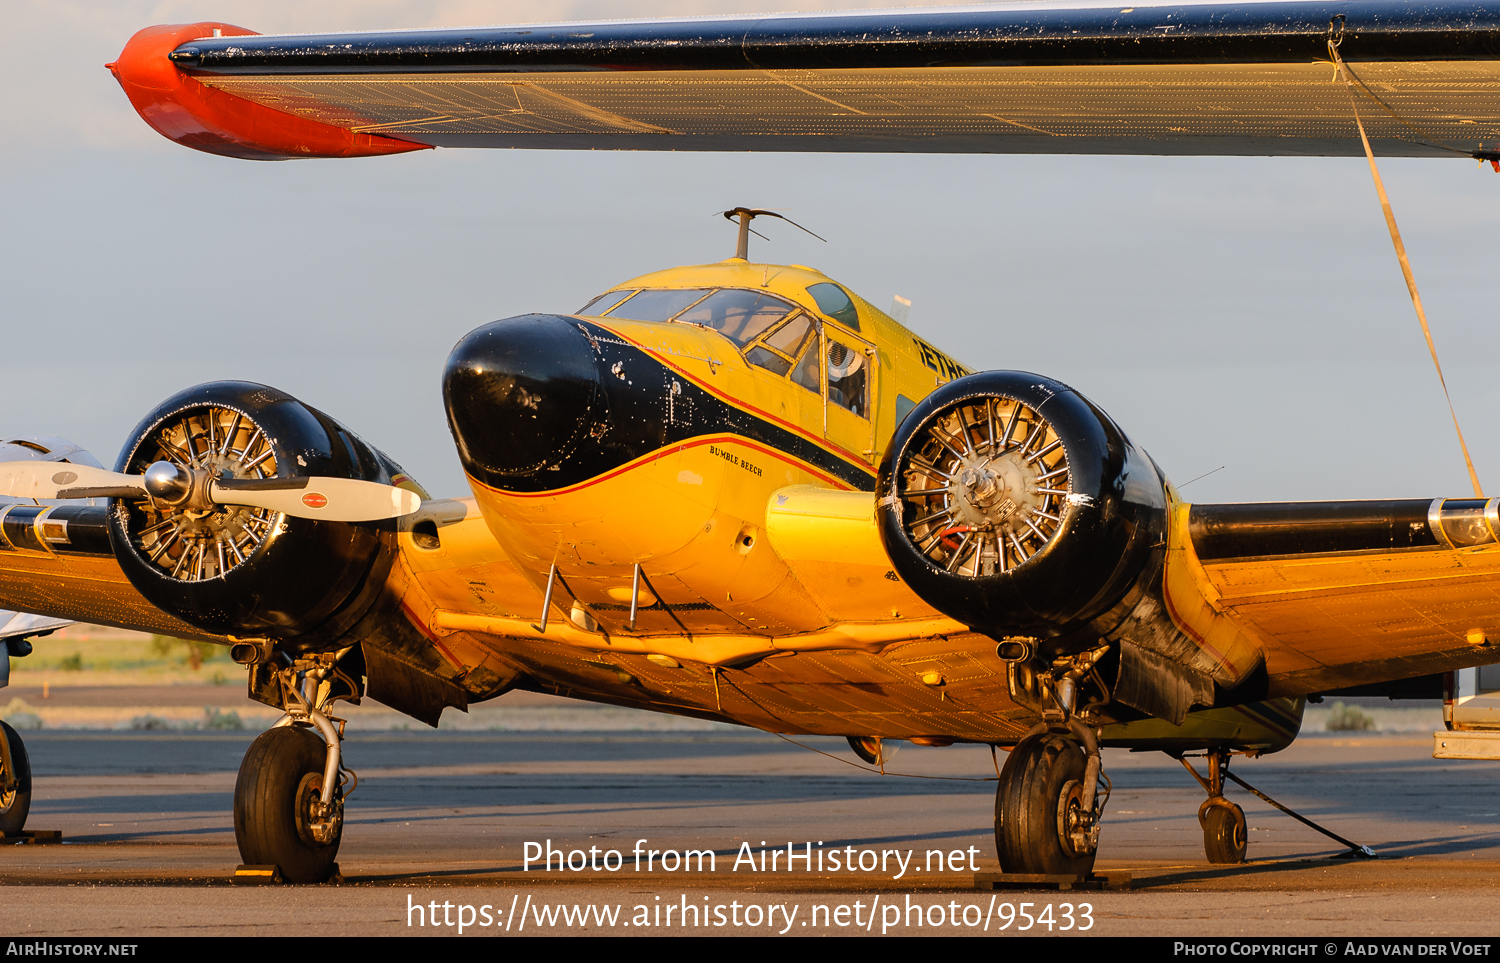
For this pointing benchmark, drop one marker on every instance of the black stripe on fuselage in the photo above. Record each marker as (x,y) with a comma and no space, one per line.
(640,406)
(1288,32)
(711,416)
(1304,528)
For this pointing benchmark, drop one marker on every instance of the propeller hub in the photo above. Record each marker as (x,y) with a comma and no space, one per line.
(186,489)
(167,482)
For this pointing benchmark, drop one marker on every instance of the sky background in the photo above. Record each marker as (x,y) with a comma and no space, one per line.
(1244,312)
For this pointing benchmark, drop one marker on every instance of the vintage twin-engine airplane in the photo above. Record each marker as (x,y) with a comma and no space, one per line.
(737,490)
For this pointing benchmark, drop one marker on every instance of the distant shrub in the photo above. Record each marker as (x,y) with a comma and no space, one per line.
(1342,718)
(223,721)
(150,722)
(194,654)
(72,663)
(18,713)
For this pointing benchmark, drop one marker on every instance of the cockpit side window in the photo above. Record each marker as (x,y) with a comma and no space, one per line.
(742,316)
(657,305)
(847,378)
(790,338)
(603,303)
(806,373)
(833,301)
(764,357)
(777,350)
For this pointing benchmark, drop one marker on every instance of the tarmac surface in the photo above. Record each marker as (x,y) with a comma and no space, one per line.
(445,817)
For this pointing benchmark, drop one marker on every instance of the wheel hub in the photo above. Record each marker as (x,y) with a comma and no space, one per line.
(1077,829)
(317,824)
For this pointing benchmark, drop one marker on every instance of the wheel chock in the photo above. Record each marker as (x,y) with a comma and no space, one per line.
(246,875)
(1060,882)
(257,875)
(34,836)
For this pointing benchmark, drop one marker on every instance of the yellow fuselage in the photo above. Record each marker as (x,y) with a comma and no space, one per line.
(763,593)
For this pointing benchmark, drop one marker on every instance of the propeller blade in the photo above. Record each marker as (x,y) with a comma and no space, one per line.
(328,499)
(51,479)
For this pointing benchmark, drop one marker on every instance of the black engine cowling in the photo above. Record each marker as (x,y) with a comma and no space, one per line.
(250,572)
(1010,502)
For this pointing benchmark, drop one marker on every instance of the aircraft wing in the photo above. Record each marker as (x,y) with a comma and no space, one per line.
(1337,594)
(1323,595)
(56,562)
(21,624)
(1179,78)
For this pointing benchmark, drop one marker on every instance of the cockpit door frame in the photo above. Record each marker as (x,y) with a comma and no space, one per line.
(872,394)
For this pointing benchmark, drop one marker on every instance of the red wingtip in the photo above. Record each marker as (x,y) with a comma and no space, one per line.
(183,110)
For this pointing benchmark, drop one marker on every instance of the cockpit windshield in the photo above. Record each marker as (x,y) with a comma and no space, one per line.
(774,334)
(741,316)
(656,305)
(603,303)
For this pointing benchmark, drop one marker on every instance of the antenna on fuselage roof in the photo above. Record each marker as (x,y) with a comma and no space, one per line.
(746,215)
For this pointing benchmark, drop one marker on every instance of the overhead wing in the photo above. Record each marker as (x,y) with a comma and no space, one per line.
(1338,594)
(1250,78)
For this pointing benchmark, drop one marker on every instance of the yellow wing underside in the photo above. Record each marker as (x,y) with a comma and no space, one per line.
(84,589)
(1330,620)
(1341,620)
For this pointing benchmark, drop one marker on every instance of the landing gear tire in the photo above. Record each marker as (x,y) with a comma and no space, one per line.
(15,802)
(276,803)
(1038,801)
(1224,832)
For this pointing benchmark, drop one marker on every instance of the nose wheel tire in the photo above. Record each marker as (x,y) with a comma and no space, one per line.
(1224,832)
(277,802)
(15,785)
(1037,799)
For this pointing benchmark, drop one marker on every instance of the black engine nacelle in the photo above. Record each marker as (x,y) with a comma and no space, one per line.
(1011,503)
(252,572)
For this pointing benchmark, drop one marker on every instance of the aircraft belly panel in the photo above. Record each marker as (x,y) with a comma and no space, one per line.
(1264,726)
(1261,108)
(826,693)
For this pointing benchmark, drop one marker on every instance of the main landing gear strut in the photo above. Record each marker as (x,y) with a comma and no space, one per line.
(1049,804)
(289,798)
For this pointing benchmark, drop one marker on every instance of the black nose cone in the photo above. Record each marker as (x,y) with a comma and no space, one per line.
(520,395)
